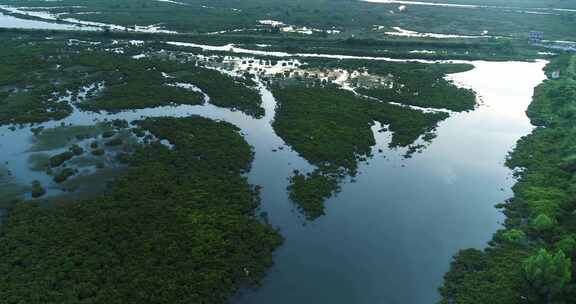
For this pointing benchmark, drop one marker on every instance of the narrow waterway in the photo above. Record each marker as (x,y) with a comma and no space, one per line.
(16,144)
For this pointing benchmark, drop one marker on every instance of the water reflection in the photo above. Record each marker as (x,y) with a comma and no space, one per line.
(388,237)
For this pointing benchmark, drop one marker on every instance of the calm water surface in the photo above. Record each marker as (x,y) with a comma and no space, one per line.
(389,236)
(7,21)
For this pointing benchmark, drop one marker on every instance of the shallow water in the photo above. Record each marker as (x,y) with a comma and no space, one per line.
(7,21)
(387,237)
(15,145)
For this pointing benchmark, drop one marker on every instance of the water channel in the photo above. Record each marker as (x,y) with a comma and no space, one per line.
(389,235)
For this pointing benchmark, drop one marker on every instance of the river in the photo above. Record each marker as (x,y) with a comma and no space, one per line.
(389,235)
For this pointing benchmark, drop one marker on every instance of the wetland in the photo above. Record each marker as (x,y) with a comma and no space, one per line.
(150,163)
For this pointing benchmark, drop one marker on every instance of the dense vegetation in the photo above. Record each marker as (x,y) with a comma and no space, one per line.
(224,90)
(532,259)
(331,128)
(412,83)
(22,64)
(138,84)
(381,45)
(311,190)
(425,90)
(132,84)
(333,125)
(194,239)
(10,189)
(370,43)
(117,82)
(353,17)
(41,79)
(554,103)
